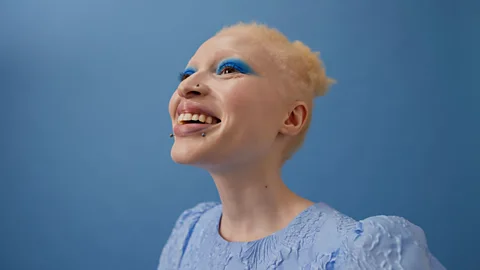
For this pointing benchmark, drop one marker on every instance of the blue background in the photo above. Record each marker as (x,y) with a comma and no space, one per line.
(86,176)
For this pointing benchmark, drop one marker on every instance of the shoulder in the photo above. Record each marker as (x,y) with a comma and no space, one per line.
(392,227)
(178,240)
(386,242)
(192,215)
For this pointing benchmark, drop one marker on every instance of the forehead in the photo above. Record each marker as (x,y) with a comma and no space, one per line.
(236,44)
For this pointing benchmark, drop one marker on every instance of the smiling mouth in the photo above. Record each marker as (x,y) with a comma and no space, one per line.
(189,118)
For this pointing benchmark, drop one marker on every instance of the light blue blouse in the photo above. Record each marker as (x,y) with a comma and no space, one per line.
(318,238)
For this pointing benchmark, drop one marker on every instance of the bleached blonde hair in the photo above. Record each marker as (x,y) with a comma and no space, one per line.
(305,70)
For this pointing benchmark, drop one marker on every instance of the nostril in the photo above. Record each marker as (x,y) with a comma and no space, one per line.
(193,93)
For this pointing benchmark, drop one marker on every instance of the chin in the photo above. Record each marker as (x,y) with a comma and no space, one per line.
(182,155)
(191,152)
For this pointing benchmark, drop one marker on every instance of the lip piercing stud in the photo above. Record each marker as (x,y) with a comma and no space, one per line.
(171,135)
(203,134)
(198,85)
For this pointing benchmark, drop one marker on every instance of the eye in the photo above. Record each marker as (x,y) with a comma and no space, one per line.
(227,70)
(184,75)
(233,65)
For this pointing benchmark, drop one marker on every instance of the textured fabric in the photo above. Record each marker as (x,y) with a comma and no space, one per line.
(318,238)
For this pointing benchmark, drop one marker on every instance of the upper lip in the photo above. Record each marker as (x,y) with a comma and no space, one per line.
(194,108)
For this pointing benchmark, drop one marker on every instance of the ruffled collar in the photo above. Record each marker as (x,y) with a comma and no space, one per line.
(270,250)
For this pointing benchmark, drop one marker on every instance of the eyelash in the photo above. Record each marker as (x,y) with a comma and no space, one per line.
(227,66)
(184,75)
(231,66)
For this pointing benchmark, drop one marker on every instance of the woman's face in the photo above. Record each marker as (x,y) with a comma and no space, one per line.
(230,92)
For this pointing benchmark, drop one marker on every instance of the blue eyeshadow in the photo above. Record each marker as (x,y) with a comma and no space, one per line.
(236,63)
(188,71)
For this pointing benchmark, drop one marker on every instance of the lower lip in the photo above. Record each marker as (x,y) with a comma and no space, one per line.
(190,129)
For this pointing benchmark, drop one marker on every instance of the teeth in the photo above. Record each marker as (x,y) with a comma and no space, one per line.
(195,117)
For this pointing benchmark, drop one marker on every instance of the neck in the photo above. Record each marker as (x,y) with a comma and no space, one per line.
(255,201)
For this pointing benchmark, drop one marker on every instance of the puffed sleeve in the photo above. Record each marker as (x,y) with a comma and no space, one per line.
(178,240)
(386,242)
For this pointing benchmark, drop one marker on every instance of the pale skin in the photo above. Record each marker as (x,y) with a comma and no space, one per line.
(243,153)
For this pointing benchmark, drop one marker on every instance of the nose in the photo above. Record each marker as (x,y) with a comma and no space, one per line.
(193,90)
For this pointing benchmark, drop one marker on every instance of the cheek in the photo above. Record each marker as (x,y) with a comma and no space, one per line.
(253,95)
(244,103)
(254,109)
(171,104)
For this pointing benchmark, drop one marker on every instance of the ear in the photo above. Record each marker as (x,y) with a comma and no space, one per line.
(295,120)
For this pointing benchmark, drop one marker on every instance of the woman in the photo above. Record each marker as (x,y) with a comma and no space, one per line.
(241,110)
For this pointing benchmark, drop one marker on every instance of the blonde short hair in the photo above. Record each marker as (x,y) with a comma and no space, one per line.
(304,68)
